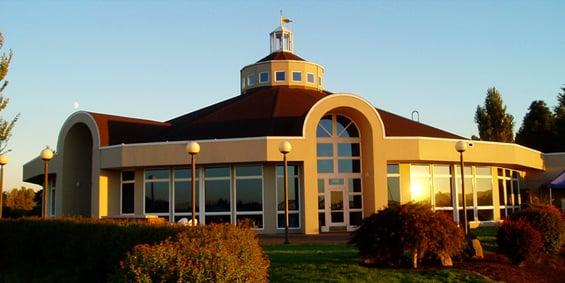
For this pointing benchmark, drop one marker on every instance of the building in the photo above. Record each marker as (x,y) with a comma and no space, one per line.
(349,158)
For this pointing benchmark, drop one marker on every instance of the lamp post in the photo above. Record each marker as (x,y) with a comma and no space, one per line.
(284,148)
(3,161)
(461,146)
(193,148)
(46,155)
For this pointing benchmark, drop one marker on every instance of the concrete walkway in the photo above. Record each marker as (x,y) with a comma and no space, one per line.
(322,238)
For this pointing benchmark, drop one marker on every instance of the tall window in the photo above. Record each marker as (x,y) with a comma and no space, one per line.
(217,194)
(51,197)
(442,187)
(127,194)
(183,192)
(338,150)
(393,184)
(157,191)
(293,197)
(421,183)
(483,190)
(508,191)
(249,194)
(468,192)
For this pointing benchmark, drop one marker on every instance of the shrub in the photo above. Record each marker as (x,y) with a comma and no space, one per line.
(411,228)
(72,249)
(212,253)
(519,241)
(549,222)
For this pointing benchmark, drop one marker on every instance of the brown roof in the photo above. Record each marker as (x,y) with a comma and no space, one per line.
(402,127)
(281,55)
(118,129)
(264,111)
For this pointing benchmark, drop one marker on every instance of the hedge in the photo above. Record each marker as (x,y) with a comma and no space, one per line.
(70,250)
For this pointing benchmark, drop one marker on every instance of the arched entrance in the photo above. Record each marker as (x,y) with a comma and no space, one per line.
(77,168)
(340,197)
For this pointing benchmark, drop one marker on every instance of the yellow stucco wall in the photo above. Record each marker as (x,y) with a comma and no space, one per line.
(287,66)
(376,151)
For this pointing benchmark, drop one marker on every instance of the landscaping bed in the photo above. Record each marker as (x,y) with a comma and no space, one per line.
(498,267)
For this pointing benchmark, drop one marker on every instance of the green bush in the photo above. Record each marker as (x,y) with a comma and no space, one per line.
(75,249)
(519,241)
(549,222)
(411,228)
(211,253)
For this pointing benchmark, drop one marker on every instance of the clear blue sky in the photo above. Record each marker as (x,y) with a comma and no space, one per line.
(161,59)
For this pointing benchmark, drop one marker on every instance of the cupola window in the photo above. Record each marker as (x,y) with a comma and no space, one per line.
(310,78)
(297,76)
(251,80)
(280,76)
(263,77)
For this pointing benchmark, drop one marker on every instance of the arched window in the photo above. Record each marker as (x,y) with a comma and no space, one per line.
(339,173)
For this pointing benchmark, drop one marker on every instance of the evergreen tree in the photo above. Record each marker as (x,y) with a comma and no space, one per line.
(5,126)
(560,120)
(538,128)
(493,122)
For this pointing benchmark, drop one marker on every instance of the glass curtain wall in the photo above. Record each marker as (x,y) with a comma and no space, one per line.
(223,194)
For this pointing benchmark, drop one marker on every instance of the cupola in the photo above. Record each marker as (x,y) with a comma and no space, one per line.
(282,67)
(281,37)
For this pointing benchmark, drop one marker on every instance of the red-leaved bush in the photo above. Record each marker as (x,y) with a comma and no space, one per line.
(211,253)
(519,240)
(548,220)
(411,228)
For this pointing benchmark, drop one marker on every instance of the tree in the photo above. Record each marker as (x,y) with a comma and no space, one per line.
(6,126)
(538,128)
(559,111)
(493,122)
(21,199)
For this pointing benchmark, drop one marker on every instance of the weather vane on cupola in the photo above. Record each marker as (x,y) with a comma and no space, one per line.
(281,37)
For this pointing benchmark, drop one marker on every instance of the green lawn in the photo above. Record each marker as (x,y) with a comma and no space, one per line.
(487,236)
(338,263)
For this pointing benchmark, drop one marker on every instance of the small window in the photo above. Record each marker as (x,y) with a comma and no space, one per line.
(242,83)
(251,80)
(310,78)
(320,80)
(297,76)
(280,76)
(263,77)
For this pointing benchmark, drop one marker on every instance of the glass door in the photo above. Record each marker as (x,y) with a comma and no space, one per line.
(337,210)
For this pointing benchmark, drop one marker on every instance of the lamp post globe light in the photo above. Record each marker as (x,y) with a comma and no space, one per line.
(285,148)
(193,148)
(3,161)
(461,146)
(46,155)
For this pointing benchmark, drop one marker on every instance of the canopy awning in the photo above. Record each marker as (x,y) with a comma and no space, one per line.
(559,182)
